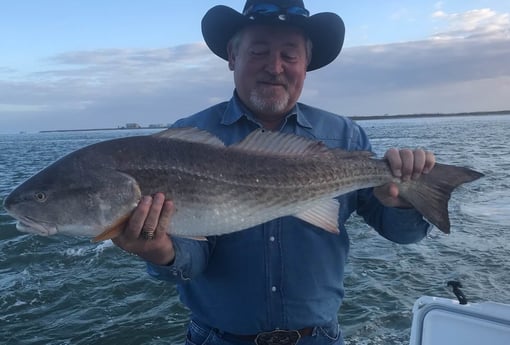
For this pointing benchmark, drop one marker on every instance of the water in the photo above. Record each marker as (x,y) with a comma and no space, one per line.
(63,290)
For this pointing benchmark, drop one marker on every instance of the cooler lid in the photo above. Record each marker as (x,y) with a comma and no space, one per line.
(441,321)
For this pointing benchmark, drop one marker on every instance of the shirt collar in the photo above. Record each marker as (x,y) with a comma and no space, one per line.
(236,110)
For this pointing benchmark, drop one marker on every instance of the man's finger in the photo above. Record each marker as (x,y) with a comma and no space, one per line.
(419,163)
(137,219)
(407,158)
(430,161)
(395,162)
(165,218)
(152,220)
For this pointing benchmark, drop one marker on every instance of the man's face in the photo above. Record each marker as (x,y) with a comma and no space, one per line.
(269,65)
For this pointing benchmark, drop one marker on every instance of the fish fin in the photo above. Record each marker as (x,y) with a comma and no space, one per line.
(263,141)
(196,238)
(191,134)
(113,231)
(323,215)
(429,194)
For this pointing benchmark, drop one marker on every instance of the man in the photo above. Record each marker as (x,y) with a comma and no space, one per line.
(280,282)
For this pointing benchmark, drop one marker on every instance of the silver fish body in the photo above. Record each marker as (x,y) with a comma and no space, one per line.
(215,189)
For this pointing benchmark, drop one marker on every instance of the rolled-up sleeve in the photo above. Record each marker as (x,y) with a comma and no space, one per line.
(191,257)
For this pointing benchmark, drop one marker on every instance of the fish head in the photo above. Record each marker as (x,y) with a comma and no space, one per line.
(73,198)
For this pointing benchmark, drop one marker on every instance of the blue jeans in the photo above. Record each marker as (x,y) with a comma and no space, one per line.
(199,334)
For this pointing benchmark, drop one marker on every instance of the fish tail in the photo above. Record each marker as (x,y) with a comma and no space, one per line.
(429,194)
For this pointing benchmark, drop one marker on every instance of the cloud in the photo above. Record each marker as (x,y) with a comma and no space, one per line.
(466,70)
(6,70)
(475,23)
(108,88)
(413,77)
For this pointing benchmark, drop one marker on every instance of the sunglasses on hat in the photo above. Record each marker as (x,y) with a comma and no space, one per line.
(272,10)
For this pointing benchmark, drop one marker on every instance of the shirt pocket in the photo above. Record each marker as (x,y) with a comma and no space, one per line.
(198,335)
(331,332)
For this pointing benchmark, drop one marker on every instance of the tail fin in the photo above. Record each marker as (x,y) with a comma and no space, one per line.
(431,192)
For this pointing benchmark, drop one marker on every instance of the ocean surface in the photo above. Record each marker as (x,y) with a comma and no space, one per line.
(64,290)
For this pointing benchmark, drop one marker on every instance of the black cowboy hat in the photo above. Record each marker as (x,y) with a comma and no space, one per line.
(326,30)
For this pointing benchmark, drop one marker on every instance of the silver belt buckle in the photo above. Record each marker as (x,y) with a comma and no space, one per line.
(278,337)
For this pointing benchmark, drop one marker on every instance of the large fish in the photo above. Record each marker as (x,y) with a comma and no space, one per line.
(215,189)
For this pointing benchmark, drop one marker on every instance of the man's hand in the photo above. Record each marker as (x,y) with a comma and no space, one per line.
(152,215)
(408,165)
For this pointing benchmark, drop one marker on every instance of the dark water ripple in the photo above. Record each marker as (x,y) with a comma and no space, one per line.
(61,290)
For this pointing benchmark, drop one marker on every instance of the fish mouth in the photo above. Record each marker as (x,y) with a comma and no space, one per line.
(30,225)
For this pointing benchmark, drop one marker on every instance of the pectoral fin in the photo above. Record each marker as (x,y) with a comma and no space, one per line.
(114,230)
(323,215)
(195,238)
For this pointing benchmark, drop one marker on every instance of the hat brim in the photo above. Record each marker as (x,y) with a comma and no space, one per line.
(326,30)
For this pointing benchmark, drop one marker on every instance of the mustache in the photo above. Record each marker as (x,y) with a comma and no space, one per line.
(273,79)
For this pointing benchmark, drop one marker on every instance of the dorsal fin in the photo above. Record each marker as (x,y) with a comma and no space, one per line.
(264,141)
(191,134)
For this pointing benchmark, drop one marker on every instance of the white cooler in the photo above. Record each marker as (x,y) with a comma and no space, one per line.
(441,321)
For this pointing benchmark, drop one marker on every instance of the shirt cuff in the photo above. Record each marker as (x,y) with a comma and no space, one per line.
(180,269)
(411,227)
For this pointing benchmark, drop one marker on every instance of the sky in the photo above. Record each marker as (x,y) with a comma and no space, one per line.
(77,64)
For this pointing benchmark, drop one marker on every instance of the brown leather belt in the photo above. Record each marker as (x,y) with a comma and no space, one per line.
(273,337)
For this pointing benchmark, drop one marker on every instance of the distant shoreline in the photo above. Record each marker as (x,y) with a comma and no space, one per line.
(410,116)
(99,129)
(355,118)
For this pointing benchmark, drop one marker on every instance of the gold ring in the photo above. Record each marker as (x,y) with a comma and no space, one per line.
(148,235)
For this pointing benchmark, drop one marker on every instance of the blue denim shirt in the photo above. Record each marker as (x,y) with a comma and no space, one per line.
(285,273)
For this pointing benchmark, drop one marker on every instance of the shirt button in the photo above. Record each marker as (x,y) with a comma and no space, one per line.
(271,238)
(273,288)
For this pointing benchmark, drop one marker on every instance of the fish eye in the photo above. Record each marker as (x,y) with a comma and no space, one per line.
(40,196)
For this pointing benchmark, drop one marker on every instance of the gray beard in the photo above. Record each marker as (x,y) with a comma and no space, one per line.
(262,105)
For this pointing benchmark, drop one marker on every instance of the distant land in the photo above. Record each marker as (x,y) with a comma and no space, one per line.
(405,116)
(355,118)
